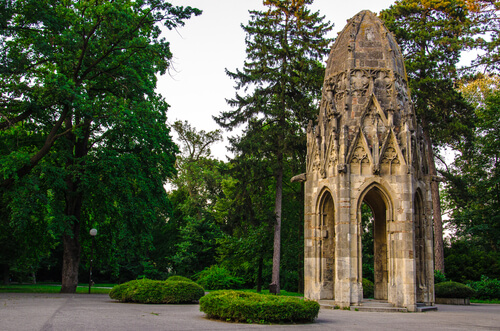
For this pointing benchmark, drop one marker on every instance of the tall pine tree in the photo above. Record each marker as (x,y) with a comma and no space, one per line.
(284,74)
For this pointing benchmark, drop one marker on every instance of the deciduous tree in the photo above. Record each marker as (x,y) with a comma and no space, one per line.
(473,190)
(76,74)
(197,189)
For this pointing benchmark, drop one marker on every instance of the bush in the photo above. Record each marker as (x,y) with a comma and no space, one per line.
(368,288)
(179,278)
(439,277)
(453,290)
(155,291)
(246,307)
(486,288)
(218,278)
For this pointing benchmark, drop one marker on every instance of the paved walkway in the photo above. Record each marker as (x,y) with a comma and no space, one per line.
(22,311)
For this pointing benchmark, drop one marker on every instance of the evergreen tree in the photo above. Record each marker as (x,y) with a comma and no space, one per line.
(284,75)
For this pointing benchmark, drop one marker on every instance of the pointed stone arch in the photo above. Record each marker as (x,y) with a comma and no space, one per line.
(380,202)
(373,107)
(420,246)
(383,188)
(360,155)
(325,223)
(391,158)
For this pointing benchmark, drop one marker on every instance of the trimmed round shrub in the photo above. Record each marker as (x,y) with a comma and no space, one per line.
(247,307)
(453,290)
(368,288)
(156,291)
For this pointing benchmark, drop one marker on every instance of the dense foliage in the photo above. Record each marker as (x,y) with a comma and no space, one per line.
(179,278)
(486,288)
(473,191)
(468,260)
(84,142)
(83,128)
(218,278)
(197,189)
(155,291)
(367,221)
(247,307)
(439,277)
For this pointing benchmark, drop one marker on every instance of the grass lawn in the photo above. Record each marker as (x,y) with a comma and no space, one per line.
(53,288)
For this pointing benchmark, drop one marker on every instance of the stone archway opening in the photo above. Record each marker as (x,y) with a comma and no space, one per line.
(327,246)
(419,231)
(376,201)
(367,221)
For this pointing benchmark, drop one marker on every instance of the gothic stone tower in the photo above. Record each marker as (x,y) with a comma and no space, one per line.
(367,148)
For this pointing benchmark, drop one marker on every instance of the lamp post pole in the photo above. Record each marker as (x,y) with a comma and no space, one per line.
(93,233)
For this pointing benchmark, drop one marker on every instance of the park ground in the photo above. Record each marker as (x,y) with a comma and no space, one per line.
(51,311)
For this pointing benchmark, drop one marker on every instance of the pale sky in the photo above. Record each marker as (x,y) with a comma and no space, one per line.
(197,87)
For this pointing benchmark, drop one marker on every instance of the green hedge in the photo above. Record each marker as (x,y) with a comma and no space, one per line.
(453,290)
(156,291)
(368,288)
(246,307)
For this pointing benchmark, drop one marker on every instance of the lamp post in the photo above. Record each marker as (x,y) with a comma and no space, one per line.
(93,233)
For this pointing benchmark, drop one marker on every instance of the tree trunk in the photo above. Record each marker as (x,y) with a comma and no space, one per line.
(436,205)
(71,243)
(259,274)
(274,287)
(301,236)
(5,268)
(73,211)
(71,261)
